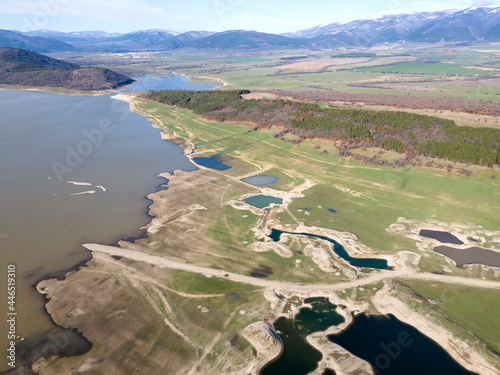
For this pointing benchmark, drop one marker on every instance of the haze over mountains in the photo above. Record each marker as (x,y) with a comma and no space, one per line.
(472,24)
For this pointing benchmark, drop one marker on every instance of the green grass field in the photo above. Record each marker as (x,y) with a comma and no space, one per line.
(477,310)
(427,68)
(368,198)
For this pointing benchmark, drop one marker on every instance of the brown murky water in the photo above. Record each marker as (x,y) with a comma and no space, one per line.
(73,169)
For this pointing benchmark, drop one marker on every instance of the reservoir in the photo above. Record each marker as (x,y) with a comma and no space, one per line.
(340,251)
(74,169)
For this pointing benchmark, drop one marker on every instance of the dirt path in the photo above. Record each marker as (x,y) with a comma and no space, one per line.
(301,154)
(271,284)
(209,348)
(132,272)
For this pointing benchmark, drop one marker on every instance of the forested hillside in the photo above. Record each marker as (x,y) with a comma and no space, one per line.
(26,68)
(406,133)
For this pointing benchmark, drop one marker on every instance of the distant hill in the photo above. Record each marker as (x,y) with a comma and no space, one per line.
(73,36)
(32,43)
(141,39)
(27,68)
(101,41)
(181,40)
(241,39)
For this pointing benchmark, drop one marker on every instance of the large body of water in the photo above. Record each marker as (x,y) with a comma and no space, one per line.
(74,169)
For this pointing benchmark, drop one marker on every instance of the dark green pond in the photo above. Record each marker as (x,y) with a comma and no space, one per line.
(298,356)
(340,251)
(262,201)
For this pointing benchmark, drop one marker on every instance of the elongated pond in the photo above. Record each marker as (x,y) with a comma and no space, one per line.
(443,237)
(472,255)
(260,180)
(339,250)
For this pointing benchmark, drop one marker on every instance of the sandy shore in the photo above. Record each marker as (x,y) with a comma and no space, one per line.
(61,91)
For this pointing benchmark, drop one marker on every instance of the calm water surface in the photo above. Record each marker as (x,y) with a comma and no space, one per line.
(395,348)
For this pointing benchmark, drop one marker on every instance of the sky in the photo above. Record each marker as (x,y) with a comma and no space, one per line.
(273,16)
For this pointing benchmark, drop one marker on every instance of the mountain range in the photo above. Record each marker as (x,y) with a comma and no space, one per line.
(467,25)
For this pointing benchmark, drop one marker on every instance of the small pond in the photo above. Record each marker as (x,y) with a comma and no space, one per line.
(262,201)
(472,255)
(260,180)
(443,237)
(211,163)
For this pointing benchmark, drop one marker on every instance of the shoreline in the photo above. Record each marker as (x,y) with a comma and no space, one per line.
(64,91)
(214,79)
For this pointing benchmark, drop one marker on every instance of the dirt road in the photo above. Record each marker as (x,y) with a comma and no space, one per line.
(271,284)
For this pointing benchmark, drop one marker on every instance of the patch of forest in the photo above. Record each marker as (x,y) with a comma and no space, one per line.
(407,133)
(400,101)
